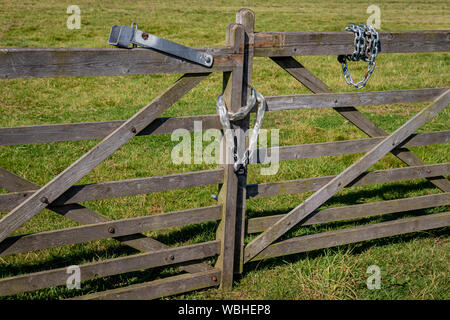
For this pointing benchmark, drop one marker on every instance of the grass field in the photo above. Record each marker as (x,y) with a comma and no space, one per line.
(413,266)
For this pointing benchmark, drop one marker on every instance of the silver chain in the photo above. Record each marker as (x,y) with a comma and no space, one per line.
(367,47)
(241,161)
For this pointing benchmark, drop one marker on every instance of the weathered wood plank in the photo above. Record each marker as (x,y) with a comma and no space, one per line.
(364,210)
(56,277)
(97,130)
(308,79)
(278,44)
(344,178)
(229,191)
(57,62)
(159,288)
(108,229)
(52,190)
(84,215)
(357,234)
(270,189)
(313,150)
(334,100)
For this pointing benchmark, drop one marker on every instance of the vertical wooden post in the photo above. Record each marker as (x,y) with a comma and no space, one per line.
(228,195)
(246,18)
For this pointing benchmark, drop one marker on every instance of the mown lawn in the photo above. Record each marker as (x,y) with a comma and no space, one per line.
(413,266)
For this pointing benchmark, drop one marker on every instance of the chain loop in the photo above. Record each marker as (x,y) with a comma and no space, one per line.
(241,161)
(367,47)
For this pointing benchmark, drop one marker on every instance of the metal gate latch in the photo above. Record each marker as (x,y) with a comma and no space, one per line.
(123,36)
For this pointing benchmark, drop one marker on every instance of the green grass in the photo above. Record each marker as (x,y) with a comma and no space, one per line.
(413,266)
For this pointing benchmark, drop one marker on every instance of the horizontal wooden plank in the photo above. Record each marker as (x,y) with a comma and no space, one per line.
(334,100)
(334,148)
(270,189)
(356,211)
(97,130)
(277,44)
(352,235)
(108,229)
(56,277)
(122,188)
(159,288)
(57,62)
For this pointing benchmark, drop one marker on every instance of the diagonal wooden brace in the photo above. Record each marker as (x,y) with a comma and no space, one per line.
(52,190)
(309,80)
(344,178)
(78,213)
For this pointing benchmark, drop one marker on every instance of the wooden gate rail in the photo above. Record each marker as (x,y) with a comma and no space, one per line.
(161,287)
(305,209)
(105,230)
(122,188)
(321,149)
(283,44)
(357,211)
(270,189)
(60,196)
(83,215)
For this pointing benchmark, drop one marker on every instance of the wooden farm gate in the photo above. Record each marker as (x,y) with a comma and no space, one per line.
(25,199)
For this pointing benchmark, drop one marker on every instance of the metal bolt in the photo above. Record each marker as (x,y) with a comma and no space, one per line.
(208,59)
(133,129)
(111,230)
(44,200)
(335,100)
(214,278)
(428,171)
(171,257)
(145,36)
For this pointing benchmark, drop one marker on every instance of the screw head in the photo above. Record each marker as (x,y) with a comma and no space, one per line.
(111,230)
(208,59)
(145,36)
(214,278)
(133,129)
(44,200)
(428,171)
(171,257)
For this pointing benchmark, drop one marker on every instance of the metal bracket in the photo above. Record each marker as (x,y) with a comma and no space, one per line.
(123,36)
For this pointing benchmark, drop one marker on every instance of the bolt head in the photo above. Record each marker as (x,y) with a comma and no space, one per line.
(111,230)
(145,36)
(44,200)
(214,278)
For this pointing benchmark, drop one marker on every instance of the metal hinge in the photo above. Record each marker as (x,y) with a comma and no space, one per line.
(123,36)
